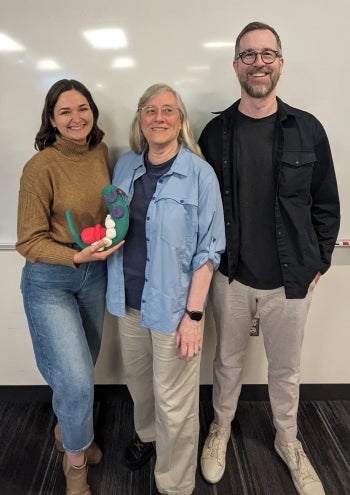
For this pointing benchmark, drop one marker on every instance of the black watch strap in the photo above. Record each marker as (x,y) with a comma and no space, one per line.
(195,315)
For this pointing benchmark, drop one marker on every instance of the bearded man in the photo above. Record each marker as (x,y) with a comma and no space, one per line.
(281,208)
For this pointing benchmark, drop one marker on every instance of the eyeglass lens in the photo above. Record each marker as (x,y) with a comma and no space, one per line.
(267,56)
(151,111)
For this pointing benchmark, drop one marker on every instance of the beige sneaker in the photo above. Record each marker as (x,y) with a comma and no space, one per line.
(303,474)
(213,460)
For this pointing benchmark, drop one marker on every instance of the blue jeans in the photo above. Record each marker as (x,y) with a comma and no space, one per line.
(65,312)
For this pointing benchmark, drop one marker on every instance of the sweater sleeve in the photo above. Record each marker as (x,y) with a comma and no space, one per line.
(34,240)
(33,236)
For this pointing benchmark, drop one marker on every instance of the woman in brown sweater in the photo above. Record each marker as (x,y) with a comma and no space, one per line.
(64,286)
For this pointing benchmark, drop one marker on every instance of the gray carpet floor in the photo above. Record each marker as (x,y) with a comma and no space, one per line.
(30,465)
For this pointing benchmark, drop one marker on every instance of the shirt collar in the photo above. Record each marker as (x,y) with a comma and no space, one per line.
(179,165)
(283,110)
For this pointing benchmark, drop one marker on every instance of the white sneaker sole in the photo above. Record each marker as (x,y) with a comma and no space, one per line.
(215,480)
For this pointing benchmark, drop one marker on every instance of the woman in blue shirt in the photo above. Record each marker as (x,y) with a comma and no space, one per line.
(158,283)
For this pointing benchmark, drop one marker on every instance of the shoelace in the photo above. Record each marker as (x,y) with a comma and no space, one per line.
(303,465)
(214,442)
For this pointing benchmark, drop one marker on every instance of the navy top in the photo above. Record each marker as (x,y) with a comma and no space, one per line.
(135,249)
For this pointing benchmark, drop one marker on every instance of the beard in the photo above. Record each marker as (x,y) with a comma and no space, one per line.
(259,91)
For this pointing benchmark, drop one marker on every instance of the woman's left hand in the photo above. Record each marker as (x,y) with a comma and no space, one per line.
(93,253)
(189,337)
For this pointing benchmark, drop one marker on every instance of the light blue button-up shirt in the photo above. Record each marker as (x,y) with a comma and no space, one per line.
(184,229)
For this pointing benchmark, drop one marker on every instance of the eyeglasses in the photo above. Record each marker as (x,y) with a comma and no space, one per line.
(166,111)
(268,56)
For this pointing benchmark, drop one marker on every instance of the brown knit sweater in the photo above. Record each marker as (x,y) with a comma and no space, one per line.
(65,176)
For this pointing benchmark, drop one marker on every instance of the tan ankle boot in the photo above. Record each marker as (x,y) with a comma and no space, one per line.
(76,478)
(93,452)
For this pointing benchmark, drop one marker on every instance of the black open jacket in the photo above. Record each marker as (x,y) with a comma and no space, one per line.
(307,212)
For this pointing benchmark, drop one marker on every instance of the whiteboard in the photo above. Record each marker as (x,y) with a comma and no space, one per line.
(188,44)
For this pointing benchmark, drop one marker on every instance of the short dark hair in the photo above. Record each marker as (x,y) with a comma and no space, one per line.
(47,133)
(252,26)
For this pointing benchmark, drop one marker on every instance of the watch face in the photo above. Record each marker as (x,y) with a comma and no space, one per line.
(195,315)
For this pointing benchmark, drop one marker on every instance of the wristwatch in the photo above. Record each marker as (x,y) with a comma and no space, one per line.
(195,315)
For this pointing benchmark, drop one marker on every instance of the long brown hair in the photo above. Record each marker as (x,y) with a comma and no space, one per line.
(47,133)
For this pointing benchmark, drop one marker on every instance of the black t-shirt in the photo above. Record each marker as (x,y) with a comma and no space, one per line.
(259,264)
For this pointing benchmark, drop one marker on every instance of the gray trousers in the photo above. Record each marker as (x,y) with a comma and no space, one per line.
(165,391)
(282,323)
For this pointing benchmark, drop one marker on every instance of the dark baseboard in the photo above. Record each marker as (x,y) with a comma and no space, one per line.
(313,391)
(42,393)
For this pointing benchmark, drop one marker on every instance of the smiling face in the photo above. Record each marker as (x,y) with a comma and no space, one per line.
(73,116)
(258,80)
(160,127)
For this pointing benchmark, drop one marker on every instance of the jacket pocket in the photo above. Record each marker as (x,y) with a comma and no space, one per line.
(298,158)
(296,174)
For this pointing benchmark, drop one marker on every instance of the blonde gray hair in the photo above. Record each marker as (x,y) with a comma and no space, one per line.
(136,138)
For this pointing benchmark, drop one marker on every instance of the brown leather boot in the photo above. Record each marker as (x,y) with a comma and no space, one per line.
(76,478)
(93,452)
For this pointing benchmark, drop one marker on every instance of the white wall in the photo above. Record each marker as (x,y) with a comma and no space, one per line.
(325,351)
(167,40)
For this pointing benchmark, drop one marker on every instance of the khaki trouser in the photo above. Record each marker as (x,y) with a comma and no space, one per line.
(165,391)
(282,323)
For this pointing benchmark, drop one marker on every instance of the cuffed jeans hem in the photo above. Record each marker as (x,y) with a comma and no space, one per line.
(79,450)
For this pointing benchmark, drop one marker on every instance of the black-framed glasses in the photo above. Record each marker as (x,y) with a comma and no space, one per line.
(267,56)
